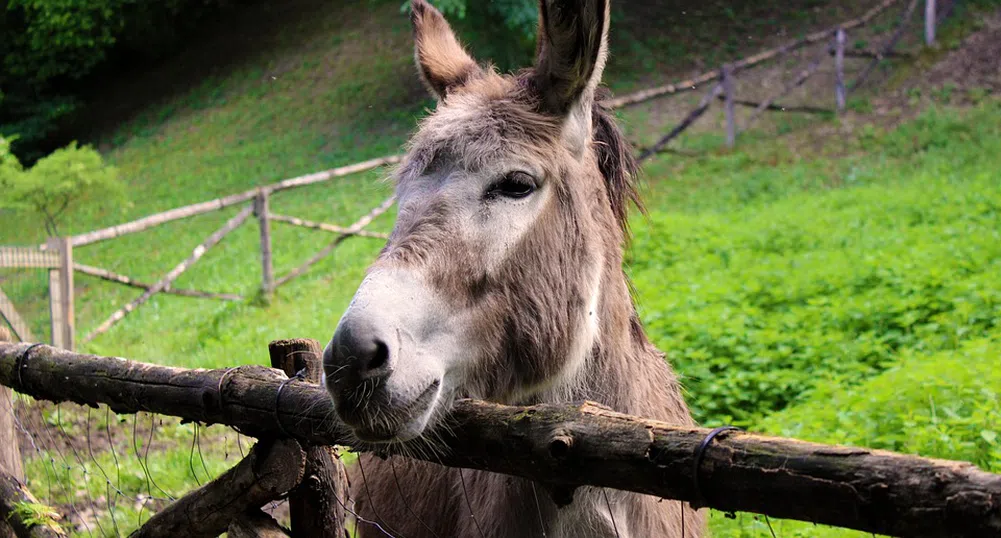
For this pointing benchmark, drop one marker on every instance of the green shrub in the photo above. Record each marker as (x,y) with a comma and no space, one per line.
(57,184)
(942,405)
(764,298)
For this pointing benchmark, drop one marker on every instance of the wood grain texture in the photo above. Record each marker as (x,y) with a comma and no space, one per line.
(12,493)
(270,470)
(315,505)
(869,490)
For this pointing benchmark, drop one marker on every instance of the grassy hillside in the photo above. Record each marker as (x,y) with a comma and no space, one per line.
(286,89)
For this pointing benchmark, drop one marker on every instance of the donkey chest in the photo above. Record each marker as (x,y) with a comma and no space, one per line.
(587,517)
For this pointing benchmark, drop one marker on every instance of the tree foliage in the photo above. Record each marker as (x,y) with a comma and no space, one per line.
(57,184)
(502,31)
(47,47)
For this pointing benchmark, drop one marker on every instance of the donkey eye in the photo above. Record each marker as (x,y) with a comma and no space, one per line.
(513,185)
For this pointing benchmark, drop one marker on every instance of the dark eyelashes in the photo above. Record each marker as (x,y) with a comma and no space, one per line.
(514,185)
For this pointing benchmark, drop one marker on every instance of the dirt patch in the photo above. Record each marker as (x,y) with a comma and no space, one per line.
(74,432)
(976,63)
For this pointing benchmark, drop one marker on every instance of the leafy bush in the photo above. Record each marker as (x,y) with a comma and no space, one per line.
(57,184)
(759,302)
(940,405)
(943,405)
(757,308)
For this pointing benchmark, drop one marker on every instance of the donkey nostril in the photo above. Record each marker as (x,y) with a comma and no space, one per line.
(380,357)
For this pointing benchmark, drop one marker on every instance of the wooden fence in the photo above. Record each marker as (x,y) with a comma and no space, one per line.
(561,446)
(57,254)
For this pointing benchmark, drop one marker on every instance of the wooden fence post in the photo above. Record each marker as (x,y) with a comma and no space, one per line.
(267,269)
(314,506)
(731,120)
(929,22)
(839,69)
(10,454)
(61,293)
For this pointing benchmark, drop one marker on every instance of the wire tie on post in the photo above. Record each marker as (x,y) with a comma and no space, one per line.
(19,364)
(301,374)
(700,453)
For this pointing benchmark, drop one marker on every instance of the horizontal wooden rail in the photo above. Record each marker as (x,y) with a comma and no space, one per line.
(357,226)
(226,201)
(562,446)
(28,258)
(112,276)
(295,221)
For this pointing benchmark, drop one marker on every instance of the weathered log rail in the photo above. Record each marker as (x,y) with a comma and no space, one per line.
(559,445)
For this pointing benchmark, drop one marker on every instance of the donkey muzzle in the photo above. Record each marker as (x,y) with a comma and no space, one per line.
(360,372)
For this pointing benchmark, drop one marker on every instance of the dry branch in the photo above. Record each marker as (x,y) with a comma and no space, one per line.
(270,470)
(13,494)
(174,273)
(868,490)
(325,251)
(685,123)
(750,61)
(111,276)
(295,221)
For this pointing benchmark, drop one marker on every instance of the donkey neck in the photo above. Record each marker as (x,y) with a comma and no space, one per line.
(622,369)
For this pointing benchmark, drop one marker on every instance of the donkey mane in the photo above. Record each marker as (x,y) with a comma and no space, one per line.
(616,161)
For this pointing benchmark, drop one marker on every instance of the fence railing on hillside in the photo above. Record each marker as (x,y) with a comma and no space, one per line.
(721,81)
(563,446)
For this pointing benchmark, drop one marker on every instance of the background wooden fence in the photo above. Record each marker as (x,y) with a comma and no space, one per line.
(57,254)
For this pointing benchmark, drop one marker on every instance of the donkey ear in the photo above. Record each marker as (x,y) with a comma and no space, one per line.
(572,48)
(441,60)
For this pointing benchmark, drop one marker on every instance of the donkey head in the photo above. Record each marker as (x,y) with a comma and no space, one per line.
(511,209)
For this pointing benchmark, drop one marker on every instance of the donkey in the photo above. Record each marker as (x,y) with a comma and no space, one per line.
(502,280)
